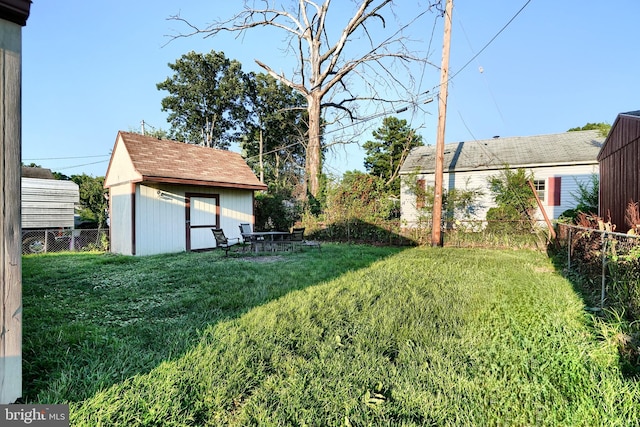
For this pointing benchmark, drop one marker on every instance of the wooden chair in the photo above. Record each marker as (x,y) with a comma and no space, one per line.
(222,242)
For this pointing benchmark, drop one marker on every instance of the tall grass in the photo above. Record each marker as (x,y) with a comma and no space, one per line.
(424,337)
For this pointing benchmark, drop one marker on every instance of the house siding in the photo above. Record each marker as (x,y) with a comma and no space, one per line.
(570,177)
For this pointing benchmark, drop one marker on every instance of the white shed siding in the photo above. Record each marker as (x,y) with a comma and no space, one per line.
(160,220)
(161,217)
(121,168)
(48,203)
(120,214)
(236,208)
(468,180)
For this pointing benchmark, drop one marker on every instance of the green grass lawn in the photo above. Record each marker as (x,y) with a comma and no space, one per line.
(353,335)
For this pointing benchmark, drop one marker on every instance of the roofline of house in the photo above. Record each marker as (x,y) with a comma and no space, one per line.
(183,181)
(495,168)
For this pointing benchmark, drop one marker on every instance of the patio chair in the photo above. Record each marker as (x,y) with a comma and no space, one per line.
(222,242)
(245,229)
(249,238)
(297,238)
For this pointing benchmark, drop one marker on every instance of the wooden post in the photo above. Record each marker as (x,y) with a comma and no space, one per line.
(436,237)
(13,15)
(552,231)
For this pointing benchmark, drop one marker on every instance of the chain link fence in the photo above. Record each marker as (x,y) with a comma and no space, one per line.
(608,264)
(44,241)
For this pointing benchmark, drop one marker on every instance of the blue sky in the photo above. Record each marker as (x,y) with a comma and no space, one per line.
(90,68)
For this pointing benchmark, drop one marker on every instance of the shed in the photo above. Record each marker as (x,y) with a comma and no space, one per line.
(619,162)
(46,202)
(166,196)
(558,163)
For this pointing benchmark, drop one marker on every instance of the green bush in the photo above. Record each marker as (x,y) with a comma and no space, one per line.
(506,219)
(276,210)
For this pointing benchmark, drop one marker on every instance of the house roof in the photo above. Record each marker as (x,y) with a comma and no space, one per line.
(176,162)
(568,148)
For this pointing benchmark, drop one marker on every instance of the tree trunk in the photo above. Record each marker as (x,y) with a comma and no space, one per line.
(312,163)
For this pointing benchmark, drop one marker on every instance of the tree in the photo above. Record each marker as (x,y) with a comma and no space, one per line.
(358,196)
(604,128)
(385,155)
(92,201)
(328,56)
(275,140)
(512,194)
(207,99)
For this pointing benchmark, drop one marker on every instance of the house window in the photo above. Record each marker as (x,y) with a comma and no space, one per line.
(539,185)
(420,196)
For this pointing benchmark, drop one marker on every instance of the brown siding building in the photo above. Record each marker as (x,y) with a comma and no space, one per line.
(619,161)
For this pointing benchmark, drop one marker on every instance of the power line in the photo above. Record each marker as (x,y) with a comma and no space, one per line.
(490,41)
(68,158)
(85,164)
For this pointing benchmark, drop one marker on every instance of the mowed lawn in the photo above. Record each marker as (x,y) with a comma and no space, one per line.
(350,336)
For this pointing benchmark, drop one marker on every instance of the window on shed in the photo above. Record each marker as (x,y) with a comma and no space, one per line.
(539,185)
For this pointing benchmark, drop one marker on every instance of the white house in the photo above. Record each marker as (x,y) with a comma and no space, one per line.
(558,163)
(166,196)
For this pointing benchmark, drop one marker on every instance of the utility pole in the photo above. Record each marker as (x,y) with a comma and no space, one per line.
(436,236)
(260,157)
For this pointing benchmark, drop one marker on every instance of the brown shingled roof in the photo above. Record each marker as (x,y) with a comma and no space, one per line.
(170,161)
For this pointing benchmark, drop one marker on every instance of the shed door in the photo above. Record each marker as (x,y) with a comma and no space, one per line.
(202,214)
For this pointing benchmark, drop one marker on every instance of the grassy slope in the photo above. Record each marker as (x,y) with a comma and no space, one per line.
(444,337)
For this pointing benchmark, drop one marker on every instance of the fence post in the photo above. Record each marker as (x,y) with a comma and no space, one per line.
(604,265)
(569,249)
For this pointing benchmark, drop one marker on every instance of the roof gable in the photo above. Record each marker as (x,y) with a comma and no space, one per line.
(155,160)
(625,130)
(568,148)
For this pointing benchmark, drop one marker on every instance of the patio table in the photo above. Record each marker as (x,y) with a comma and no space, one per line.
(268,240)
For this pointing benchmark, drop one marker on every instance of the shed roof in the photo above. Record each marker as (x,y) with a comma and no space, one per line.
(157,160)
(36,172)
(625,130)
(568,148)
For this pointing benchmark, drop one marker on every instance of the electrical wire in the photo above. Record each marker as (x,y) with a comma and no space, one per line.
(490,41)
(68,158)
(85,164)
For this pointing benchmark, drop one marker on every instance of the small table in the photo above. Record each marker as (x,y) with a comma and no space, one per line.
(273,240)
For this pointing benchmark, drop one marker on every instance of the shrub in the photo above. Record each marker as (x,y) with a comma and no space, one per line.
(276,210)
(506,219)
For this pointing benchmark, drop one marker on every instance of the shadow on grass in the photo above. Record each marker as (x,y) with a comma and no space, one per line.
(93,320)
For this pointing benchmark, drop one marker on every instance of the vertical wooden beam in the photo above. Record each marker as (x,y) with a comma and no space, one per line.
(13,15)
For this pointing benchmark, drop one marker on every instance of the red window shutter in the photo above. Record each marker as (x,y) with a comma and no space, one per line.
(421,184)
(554,190)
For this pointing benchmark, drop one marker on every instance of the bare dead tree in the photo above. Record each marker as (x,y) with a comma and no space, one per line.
(329,60)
